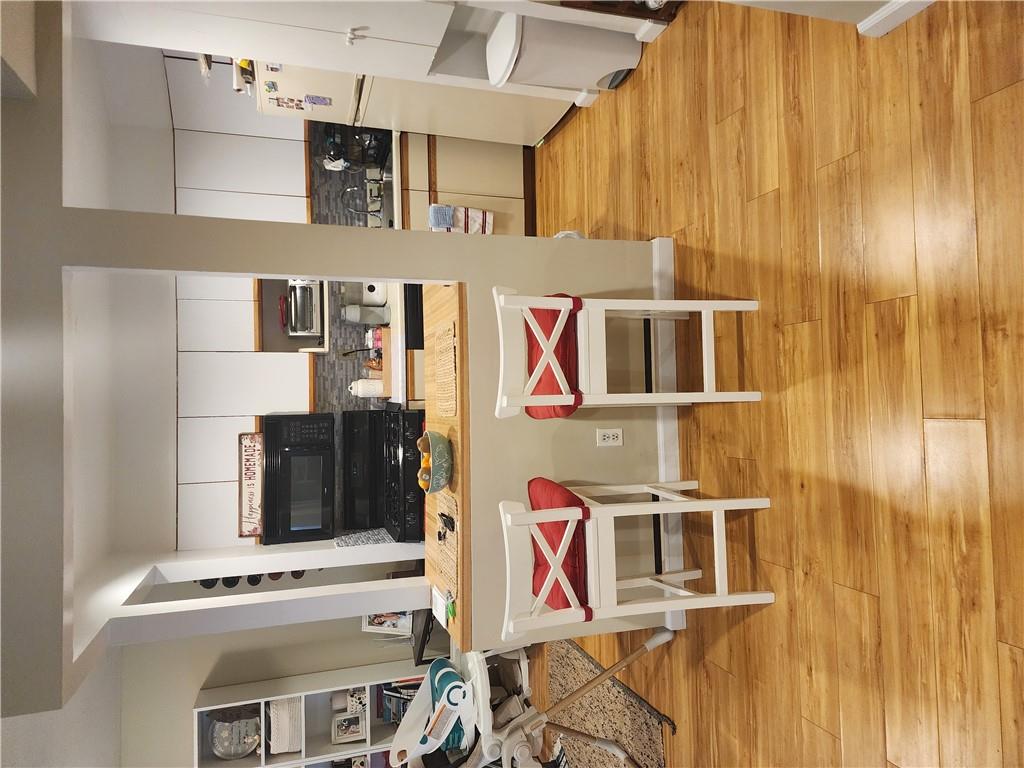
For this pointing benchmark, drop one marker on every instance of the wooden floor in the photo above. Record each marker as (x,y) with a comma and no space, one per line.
(870,193)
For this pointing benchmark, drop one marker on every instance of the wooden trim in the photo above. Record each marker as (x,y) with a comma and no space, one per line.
(312,382)
(466,534)
(432,168)
(403,158)
(257,315)
(444,305)
(529,192)
(403,165)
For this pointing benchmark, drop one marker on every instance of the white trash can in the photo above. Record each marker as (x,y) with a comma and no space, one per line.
(529,51)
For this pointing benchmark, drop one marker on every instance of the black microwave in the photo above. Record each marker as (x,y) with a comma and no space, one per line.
(298,477)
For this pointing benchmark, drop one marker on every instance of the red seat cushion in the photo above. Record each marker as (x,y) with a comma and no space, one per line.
(547,494)
(565,353)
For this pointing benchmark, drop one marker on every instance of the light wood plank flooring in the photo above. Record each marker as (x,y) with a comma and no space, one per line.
(870,193)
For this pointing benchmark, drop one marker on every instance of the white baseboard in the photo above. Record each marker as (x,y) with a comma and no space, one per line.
(664,371)
(890,16)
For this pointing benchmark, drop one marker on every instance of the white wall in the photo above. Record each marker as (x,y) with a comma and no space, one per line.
(232,161)
(86,732)
(86,134)
(120,389)
(118,148)
(161,680)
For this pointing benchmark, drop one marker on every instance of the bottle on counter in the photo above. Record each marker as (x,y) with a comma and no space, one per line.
(356,313)
(367,388)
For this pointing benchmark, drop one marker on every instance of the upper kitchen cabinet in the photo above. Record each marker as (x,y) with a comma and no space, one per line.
(415,21)
(229,163)
(389,39)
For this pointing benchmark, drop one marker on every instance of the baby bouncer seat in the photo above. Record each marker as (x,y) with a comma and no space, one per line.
(476,711)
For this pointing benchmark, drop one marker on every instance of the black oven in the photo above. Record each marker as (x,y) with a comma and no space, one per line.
(298,485)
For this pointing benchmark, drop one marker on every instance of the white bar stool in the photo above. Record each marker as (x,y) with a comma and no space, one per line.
(560,561)
(553,352)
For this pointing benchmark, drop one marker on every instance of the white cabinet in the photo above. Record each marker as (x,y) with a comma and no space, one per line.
(241,205)
(302,34)
(200,104)
(216,326)
(242,383)
(216,287)
(230,163)
(208,448)
(316,711)
(208,516)
(407,21)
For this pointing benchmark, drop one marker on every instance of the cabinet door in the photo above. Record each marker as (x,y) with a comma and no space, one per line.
(278,32)
(241,205)
(406,22)
(229,163)
(208,448)
(216,287)
(208,516)
(479,168)
(200,104)
(216,326)
(242,383)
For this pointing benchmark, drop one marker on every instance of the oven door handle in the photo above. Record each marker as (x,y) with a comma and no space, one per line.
(282,310)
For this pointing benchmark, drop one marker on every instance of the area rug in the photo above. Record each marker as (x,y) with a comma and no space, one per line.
(611,711)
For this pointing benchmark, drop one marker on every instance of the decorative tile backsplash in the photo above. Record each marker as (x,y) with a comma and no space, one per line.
(334,371)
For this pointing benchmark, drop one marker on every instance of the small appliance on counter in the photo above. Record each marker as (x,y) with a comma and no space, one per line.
(301,310)
(356,313)
(298,493)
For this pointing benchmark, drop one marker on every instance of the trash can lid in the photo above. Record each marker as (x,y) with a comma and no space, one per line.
(503,48)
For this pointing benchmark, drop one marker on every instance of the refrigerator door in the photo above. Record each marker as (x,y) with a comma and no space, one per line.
(305,93)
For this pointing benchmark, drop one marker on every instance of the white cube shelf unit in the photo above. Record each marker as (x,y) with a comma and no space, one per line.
(314,691)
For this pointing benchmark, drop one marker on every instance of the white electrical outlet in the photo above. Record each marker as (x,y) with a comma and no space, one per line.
(609,437)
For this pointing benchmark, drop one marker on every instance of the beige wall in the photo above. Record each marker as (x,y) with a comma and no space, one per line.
(41,237)
(161,680)
(86,732)
(120,394)
(18,25)
(118,148)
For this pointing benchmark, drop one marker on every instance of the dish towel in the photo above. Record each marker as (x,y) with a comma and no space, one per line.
(285,725)
(457,218)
